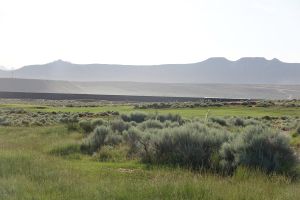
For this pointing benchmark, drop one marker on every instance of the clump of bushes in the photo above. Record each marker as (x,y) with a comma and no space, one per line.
(298,130)
(239,122)
(265,103)
(4,121)
(258,147)
(119,125)
(169,117)
(219,121)
(86,126)
(25,122)
(166,105)
(169,124)
(137,117)
(217,103)
(267,117)
(113,139)
(97,122)
(89,125)
(249,122)
(151,124)
(108,113)
(101,136)
(141,143)
(71,122)
(86,121)
(95,140)
(193,144)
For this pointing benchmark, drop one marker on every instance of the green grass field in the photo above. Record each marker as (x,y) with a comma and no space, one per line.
(185,112)
(29,171)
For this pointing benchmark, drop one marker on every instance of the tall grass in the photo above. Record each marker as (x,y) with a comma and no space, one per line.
(29,171)
(34,176)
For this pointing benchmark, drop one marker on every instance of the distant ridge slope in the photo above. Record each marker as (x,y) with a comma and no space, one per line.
(248,70)
(4,73)
(248,91)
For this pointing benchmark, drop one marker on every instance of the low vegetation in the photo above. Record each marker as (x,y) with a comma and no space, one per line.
(170,140)
(218,103)
(149,153)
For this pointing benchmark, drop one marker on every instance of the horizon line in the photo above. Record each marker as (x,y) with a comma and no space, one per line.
(3,68)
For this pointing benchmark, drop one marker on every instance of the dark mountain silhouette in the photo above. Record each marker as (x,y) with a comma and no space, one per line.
(249,70)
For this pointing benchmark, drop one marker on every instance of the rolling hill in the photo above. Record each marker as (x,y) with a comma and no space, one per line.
(261,91)
(4,73)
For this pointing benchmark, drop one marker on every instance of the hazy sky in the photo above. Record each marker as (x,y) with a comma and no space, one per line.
(147,31)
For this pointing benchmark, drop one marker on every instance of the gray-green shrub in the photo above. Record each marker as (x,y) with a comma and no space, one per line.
(196,144)
(151,124)
(95,140)
(71,121)
(170,117)
(4,121)
(141,143)
(132,137)
(134,116)
(239,122)
(219,120)
(249,122)
(259,147)
(97,122)
(86,126)
(113,139)
(298,130)
(119,125)
(192,145)
(169,124)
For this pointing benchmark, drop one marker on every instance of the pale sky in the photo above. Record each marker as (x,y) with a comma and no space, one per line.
(147,31)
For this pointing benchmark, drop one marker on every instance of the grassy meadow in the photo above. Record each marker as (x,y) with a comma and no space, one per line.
(45,161)
(275,111)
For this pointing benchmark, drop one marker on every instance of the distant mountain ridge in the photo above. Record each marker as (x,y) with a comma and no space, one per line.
(247,70)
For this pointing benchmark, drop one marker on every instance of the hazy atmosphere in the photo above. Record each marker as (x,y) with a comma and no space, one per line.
(146,32)
(150,99)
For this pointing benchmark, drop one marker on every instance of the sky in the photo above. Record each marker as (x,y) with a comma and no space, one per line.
(147,31)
